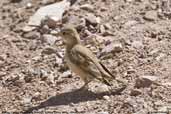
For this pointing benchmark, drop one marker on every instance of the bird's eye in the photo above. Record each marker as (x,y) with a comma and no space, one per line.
(64,33)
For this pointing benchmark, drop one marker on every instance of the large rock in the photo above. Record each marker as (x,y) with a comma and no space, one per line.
(54,10)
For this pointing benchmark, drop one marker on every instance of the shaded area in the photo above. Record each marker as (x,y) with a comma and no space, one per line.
(71,97)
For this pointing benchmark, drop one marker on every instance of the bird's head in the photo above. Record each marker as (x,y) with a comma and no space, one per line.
(69,35)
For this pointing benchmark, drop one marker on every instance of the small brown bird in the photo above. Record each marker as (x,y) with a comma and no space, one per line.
(81,60)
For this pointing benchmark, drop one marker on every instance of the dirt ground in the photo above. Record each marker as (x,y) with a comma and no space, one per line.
(34,77)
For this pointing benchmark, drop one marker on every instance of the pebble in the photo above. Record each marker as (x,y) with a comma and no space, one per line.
(113,47)
(151,15)
(130,23)
(29,5)
(107,26)
(26,100)
(66,74)
(87,7)
(160,56)
(50,39)
(51,21)
(106,98)
(91,19)
(32,35)
(36,96)
(48,50)
(135,92)
(145,81)
(138,44)
(28,28)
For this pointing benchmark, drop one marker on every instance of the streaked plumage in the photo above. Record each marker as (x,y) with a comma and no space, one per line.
(81,60)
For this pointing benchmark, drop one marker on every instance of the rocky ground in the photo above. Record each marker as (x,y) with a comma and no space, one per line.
(131,37)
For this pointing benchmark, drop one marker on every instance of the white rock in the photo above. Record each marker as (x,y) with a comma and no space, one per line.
(53,10)
(29,5)
(92,19)
(28,28)
(106,98)
(66,74)
(151,15)
(87,7)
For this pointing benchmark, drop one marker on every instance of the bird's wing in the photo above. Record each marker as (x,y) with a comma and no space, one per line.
(89,62)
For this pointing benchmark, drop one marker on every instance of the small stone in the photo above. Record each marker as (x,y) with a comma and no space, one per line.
(28,28)
(36,96)
(154,52)
(107,26)
(167,84)
(160,56)
(163,109)
(145,81)
(137,44)
(32,35)
(98,19)
(29,5)
(106,98)
(87,7)
(66,74)
(28,78)
(80,109)
(99,88)
(91,19)
(102,29)
(50,39)
(51,21)
(45,2)
(103,8)
(151,15)
(130,23)
(59,60)
(48,50)
(33,45)
(113,47)
(26,100)
(135,92)
(76,21)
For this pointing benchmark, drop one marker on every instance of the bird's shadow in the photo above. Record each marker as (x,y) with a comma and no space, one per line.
(70,97)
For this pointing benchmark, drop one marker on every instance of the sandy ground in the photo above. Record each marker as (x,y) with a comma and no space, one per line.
(33,76)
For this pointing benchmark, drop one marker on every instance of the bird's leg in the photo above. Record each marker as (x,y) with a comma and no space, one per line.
(85,86)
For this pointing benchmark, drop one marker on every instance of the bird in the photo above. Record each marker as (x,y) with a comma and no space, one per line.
(81,60)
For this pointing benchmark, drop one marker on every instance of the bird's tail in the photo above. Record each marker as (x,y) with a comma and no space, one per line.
(107,81)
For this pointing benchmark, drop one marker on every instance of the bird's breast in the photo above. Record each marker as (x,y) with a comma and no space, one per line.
(75,68)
